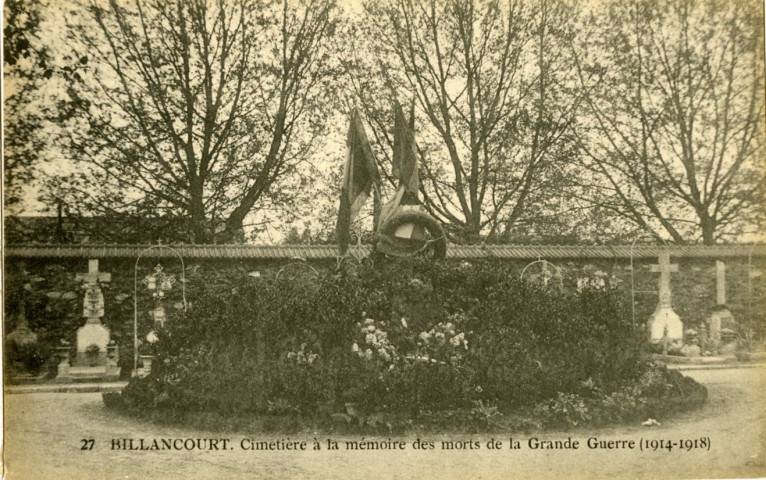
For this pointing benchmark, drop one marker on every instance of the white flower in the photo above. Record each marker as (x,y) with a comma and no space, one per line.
(370,328)
(404,322)
(370,338)
(369,321)
(355,347)
(425,336)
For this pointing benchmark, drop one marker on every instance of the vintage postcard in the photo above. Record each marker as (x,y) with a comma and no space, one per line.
(383,239)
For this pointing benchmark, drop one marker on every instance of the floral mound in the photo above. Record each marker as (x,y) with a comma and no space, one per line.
(454,346)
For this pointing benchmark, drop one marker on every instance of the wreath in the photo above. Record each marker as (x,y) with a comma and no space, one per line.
(404,247)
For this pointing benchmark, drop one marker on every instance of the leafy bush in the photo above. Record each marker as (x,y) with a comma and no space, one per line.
(28,358)
(656,393)
(405,337)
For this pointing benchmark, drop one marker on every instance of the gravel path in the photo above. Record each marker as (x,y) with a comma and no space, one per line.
(44,433)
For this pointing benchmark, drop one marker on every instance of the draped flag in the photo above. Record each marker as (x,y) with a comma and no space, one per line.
(405,154)
(407,237)
(359,175)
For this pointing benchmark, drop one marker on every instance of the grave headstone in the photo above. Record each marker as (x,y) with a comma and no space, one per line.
(721,317)
(93,332)
(664,322)
(96,355)
(22,334)
(720,282)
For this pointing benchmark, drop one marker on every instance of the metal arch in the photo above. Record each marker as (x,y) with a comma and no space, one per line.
(135,294)
(361,261)
(297,261)
(545,262)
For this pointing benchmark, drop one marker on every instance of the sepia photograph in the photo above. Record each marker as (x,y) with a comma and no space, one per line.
(384,239)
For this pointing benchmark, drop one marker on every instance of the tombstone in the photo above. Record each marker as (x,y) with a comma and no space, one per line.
(159,283)
(22,334)
(664,322)
(96,355)
(24,362)
(721,318)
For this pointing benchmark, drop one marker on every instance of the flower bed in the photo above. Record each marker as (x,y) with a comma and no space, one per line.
(411,343)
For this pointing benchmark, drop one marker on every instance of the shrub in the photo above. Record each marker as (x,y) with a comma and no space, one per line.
(28,358)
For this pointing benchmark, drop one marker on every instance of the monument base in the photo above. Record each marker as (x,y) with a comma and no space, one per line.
(84,367)
(665,323)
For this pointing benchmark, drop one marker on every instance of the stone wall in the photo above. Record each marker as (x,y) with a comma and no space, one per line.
(53,297)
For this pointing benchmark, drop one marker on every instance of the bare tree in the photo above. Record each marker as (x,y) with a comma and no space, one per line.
(195,108)
(492,85)
(676,132)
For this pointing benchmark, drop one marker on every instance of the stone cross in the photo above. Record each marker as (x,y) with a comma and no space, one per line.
(665,268)
(93,303)
(664,324)
(720,282)
(93,277)
(93,332)
(546,274)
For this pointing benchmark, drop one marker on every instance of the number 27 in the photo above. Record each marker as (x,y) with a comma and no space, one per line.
(87,444)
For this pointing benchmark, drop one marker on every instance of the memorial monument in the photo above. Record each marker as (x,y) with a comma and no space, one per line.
(403,227)
(96,356)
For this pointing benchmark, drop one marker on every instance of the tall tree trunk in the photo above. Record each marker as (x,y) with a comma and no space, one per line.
(199,230)
(708,226)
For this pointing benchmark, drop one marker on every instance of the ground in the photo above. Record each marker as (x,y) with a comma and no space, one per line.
(44,433)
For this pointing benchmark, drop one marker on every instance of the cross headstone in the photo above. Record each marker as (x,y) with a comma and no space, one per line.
(99,363)
(721,316)
(664,322)
(94,276)
(665,268)
(93,333)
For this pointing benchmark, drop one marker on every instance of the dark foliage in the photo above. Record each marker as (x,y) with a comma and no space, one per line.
(468,337)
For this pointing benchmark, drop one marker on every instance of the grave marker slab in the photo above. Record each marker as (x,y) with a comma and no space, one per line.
(664,322)
(100,364)
(93,332)
(721,317)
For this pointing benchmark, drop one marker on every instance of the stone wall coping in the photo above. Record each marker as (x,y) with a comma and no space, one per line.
(330,252)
